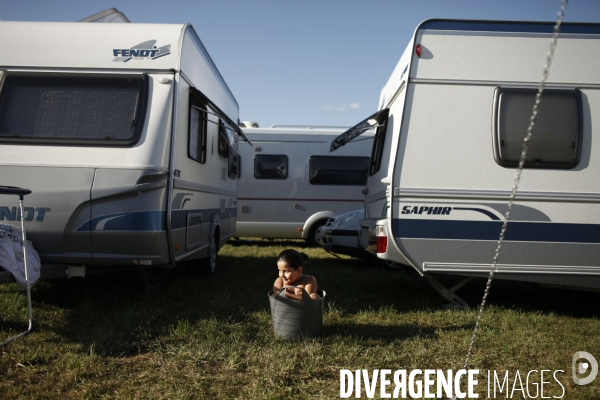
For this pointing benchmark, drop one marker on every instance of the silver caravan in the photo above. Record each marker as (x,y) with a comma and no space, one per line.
(126,134)
(451,122)
(290,184)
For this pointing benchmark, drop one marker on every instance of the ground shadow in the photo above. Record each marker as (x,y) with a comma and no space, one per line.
(261,242)
(112,313)
(528,297)
(389,333)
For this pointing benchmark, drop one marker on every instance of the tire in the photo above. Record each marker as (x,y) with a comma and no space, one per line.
(208,266)
(312,238)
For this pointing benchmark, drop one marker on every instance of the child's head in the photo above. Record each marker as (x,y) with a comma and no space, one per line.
(289,264)
(293,258)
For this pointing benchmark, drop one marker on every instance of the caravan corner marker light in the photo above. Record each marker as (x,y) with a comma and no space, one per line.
(381,244)
(381,235)
(418,50)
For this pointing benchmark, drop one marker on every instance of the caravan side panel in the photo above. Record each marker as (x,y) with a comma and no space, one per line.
(450,194)
(204,195)
(200,70)
(89,200)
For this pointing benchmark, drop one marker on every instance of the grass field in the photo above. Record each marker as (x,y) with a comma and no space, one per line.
(212,337)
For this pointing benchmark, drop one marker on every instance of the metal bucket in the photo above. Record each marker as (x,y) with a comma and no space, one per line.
(293,319)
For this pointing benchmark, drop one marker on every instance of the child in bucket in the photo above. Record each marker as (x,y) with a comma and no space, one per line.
(289,264)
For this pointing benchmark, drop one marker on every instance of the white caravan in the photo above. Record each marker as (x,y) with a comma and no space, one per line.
(452,120)
(126,134)
(290,185)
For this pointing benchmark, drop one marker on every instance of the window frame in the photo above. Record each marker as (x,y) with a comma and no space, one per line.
(533,164)
(196,102)
(223,145)
(138,121)
(287,164)
(378,146)
(233,156)
(337,157)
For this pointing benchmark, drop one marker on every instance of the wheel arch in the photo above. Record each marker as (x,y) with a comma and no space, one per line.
(313,219)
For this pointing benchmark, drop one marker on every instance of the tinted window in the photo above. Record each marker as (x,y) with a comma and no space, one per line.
(377,150)
(270,166)
(197,130)
(233,164)
(101,111)
(328,170)
(556,140)
(223,142)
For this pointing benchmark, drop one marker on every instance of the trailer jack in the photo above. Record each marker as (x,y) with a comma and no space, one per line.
(448,294)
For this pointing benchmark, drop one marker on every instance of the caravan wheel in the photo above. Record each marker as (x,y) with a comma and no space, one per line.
(209,265)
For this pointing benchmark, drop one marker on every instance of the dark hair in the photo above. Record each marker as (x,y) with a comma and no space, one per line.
(294,258)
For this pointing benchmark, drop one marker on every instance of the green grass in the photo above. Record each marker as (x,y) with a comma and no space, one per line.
(212,337)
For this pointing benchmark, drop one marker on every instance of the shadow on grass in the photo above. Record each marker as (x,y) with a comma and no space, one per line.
(285,243)
(526,297)
(389,333)
(13,326)
(110,312)
(529,297)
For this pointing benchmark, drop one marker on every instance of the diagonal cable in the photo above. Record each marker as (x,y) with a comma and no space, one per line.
(538,99)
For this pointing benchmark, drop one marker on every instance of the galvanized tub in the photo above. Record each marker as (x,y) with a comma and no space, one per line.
(293,319)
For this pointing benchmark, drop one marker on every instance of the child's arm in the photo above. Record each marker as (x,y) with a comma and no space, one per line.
(311,288)
(289,293)
(277,286)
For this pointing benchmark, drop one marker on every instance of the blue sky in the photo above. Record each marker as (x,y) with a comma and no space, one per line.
(304,62)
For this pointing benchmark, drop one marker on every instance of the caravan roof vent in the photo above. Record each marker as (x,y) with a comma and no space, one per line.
(249,124)
(110,15)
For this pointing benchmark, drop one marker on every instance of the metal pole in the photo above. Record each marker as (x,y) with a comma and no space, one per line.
(29,309)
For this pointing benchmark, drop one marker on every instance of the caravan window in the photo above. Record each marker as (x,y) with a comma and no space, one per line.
(233,164)
(104,111)
(377,149)
(556,140)
(329,170)
(197,134)
(270,166)
(223,141)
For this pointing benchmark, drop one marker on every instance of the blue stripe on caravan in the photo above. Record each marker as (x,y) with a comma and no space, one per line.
(179,217)
(490,230)
(479,210)
(150,220)
(498,26)
(133,221)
